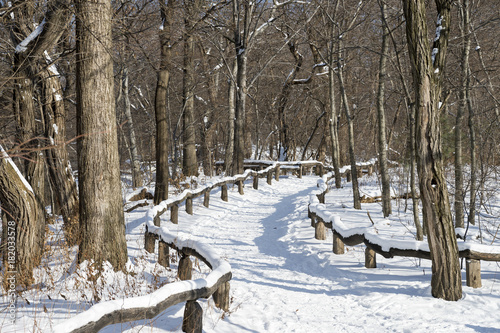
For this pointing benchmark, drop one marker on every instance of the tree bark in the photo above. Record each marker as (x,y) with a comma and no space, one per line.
(21,247)
(135,162)
(101,206)
(59,167)
(189,162)
(382,142)
(162,132)
(350,127)
(228,161)
(427,68)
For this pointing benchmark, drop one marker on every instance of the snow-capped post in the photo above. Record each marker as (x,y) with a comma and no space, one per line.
(277,173)
(370,258)
(269,177)
(256,181)
(320,230)
(193,318)
(149,241)
(189,205)
(240,187)
(163,254)
(360,172)
(174,214)
(206,198)
(299,175)
(221,297)
(473,273)
(338,244)
(185,268)
(223,192)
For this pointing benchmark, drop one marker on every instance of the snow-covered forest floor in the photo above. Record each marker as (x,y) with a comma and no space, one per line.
(283,279)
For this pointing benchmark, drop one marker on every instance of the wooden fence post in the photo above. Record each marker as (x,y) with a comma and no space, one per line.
(206,198)
(348,175)
(256,182)
(370,258)
(185,268)
(240,187)
(193,318)
(221,297)
(223,192)
(300,171)
(360,172)
(321,197)
(320,230)
(473,273)
(277,173)
(269,177)
(338,245)
(149,241)
(370,170)
(163,254)
(313,220)
(174,214)
(189,205)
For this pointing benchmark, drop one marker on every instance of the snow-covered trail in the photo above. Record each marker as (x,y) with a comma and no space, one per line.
(286,281)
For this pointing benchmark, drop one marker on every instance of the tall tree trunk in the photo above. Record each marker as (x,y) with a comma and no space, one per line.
(459,178)
(334,137)
(135,162)
(350,128)
(189,162)
(241,31)
(101,207)
(59,167)
(162,132)
(413,177)
(228,160)
(427,70)
(21,248)
(382,142)
(28,134)
(473,163)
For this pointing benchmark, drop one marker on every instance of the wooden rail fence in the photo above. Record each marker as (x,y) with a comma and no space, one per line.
(321,219)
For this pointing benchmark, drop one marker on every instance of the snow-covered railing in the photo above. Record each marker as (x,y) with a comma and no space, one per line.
(387,246)
(215,284)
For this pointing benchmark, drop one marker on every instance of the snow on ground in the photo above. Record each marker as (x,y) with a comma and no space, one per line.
(286,281)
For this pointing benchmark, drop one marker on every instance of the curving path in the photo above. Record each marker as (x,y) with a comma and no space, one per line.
(286,281)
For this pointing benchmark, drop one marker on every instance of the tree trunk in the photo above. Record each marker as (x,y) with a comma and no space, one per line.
(428,65)
(228,161)
(334,137)
(101,206)
(459,178)
(241,31)
(382,142)
(473,163)
(354,173)
(135,162)
(189,162)
(21,246)
(414,195)
(162,132)
(59,167)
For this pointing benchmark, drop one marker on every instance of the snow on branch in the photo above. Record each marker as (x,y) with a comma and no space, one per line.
(23,46)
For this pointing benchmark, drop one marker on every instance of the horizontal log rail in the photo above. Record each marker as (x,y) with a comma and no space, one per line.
(322,218)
